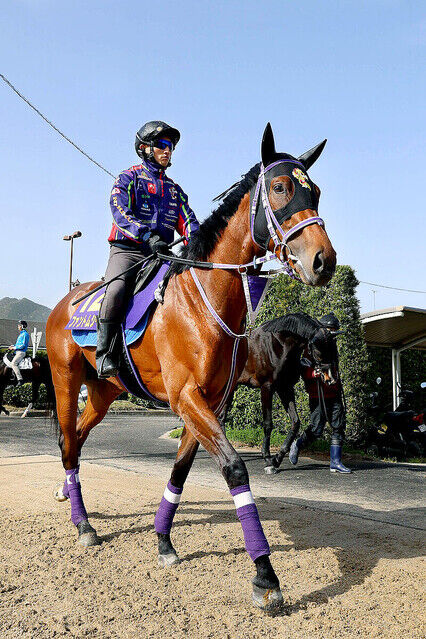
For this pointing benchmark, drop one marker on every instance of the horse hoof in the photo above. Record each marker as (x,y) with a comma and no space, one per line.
(87,535)
(268,599)
(270,470)
(168,560)
(58,492)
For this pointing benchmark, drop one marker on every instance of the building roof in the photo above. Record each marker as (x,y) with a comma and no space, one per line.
(9,332)
(397,327)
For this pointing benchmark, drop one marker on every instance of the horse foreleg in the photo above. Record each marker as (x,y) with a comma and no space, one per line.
(188,447)
(266,395)
(289,403)
(206,429)
(2,387)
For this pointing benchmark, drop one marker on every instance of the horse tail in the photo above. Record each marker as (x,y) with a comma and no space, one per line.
(46,378)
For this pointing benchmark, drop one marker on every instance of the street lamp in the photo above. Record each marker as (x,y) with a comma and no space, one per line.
(70,238)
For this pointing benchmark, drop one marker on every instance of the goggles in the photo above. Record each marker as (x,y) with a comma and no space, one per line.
(163,144)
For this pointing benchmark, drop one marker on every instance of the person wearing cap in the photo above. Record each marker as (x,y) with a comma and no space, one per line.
(20,347)
(147,208)
(326,403)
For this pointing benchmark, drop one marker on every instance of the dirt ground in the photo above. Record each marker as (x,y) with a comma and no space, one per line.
(340,576)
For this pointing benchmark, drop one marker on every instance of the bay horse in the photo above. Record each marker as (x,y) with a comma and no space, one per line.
(195,338)
(38,374)
(273,365)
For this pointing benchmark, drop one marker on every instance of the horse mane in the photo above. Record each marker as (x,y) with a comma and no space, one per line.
(299,324)
(205,239)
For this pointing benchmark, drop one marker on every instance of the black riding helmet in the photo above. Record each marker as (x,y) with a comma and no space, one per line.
(330,321)
(23,323)
(152,130)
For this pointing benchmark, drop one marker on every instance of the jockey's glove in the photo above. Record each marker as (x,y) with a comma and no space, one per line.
(157,245)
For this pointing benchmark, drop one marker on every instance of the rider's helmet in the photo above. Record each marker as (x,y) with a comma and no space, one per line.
(330,321)
(23,323)
(152,130)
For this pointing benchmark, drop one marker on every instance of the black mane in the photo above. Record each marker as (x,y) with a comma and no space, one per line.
(204,241)
(300,324)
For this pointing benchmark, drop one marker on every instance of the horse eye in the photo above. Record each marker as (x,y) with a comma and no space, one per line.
(279,188)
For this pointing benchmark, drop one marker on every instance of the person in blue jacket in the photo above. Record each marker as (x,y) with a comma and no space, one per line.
(20,347)
(147,208)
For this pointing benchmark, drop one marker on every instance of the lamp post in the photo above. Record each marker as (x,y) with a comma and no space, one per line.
(70,238)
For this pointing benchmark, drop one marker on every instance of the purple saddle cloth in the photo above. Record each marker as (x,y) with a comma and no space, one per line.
(84,317)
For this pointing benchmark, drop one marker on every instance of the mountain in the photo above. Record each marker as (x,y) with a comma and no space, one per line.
(12,308)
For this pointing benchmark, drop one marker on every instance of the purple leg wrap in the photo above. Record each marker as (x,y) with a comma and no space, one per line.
(254,537)
(166,511)
(73,490)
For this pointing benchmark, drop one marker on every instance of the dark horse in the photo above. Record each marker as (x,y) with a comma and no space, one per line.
(187,353)
(273,365)
(38,374)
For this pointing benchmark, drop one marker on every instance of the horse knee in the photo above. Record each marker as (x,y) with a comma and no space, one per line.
(235,472)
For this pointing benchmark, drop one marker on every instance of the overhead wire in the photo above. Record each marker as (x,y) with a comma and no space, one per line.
(18,93)
(393,288)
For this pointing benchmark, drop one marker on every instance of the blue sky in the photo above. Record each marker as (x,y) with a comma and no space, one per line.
(352,72)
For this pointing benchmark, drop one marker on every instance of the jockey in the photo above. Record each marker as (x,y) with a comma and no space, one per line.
(330,407)
(147,208)
(20,347)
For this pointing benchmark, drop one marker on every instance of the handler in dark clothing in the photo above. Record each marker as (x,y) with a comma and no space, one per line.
(325,404)
(147,208)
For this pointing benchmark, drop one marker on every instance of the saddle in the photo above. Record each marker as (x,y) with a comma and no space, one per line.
(82,324)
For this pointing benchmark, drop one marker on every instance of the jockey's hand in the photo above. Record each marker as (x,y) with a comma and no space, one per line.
(157,245)
(11,347)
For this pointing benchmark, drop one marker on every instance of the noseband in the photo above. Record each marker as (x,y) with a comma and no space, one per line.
(283,214)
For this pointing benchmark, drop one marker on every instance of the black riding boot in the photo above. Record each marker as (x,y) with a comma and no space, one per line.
(106,352)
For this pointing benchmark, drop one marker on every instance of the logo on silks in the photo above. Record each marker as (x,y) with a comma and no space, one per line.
(152,188)
(173,192)
(302,178)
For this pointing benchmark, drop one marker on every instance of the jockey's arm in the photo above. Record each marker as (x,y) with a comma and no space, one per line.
(121,201)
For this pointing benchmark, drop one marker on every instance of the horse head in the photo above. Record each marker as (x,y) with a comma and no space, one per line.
(323,351)
(284,213)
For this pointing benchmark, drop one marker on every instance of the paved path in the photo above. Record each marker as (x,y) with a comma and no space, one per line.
(391,493)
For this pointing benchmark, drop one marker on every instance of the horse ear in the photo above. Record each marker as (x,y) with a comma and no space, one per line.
(268,152)
(308,158)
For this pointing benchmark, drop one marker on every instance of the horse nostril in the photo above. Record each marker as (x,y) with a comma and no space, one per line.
(318,264)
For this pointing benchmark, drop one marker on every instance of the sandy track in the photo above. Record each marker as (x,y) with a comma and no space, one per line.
(341,576)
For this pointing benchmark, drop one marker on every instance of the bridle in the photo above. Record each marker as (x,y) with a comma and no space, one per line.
(274,219)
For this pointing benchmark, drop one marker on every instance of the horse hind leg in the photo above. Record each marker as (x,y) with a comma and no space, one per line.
(101,394)
(266,395)
(68,374)
(188,446)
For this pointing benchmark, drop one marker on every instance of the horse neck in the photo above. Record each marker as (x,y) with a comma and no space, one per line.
(224,287)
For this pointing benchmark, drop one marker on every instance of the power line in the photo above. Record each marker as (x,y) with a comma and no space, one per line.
(54,127)
(394,288)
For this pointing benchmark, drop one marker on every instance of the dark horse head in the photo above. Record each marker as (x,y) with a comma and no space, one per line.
(284,213)
(323,352)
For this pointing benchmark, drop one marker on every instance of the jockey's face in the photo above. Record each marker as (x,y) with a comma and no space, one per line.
(162,156)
